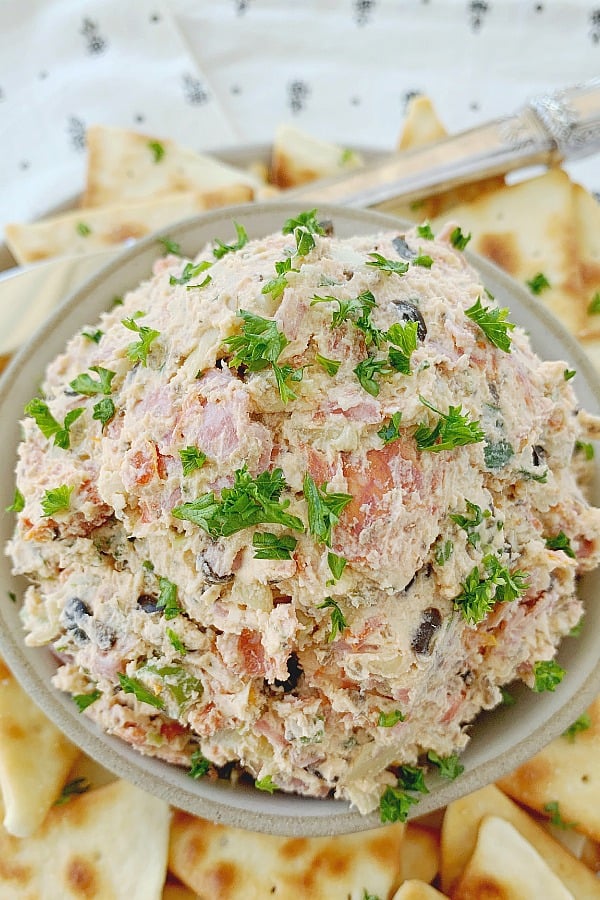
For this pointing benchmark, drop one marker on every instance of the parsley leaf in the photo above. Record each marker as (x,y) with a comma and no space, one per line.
(183,687)
(199,764)
(324,510)
(222,249)
(547,674)
(404,337)
(176,643)
(18,504)
(492,322)
(578,628)
(424,231)
(585,448)
(507,697)
(336,564)
(82,701)
(367,372)
(444,552)
(423,260)
(48,425)
(191,459)
(338,622)
(391,430)
(104,411)
(167,599)
(458,239)
(85,384)
(307,219)
(259,346)
(555,816)
(581,724)
(170,245)
(157,149)
(480,592)
(395,804)
(538,283)
(276,286)
(141,693)
(57,500)
(331,366)
(388,266)
(453,429)
(138,350)
(411,778)
(71,789)
(449,766)
(469,524)
(190,270)
(560,542)
(569,373)
(594,307)
(83,229)
(357,310)
(273,546)
(388,720)
(93,336)
(497,455)
(266,784)
(251,501)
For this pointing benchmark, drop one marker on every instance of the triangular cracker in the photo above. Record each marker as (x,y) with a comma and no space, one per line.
(126,167)
(566,772)
(228,863)
(298,158)
(587,211)
(35,758)
(421,125)
(420,853)
(505,866)
(417,890)
(108,843)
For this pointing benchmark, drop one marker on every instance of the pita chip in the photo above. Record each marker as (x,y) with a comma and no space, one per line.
(35,759)
(417,890)
(564,778)
(504,866)
(127,167)
(421,124)
(298,157)
(231,864)
(420,857)
(108,843)
(177,892)
(587,211)
(459,836)
(91,230)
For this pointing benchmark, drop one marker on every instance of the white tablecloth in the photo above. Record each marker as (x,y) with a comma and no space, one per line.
(211,74)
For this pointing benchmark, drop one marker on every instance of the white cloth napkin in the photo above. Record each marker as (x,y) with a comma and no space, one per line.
(66,64)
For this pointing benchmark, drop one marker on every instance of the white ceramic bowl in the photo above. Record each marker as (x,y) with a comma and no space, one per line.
(501,739)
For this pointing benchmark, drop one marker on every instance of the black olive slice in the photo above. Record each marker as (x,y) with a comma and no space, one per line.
(409,313)
(430,622)
(295,671)
(402,248)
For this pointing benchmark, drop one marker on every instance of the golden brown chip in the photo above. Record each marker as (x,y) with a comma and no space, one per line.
(459,836)
(504,866)
(298,158)
(109,843)
(420,853)
(563,780)
(421,124)
(35,758)
(587,211)
(177,892)
(417,890)
(228,863)
(127,167)
(90,230)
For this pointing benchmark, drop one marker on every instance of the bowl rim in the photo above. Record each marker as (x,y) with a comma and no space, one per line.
(239,806)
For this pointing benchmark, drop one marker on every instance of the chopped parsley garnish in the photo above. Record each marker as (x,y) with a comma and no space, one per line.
(193,287)
(346,156)
(470,522)
(258,346)
(324,509)
(412,778)
(581,724)
(303,227)
(82,701)
(388,720)
(578,628)
(190,270)
(481,591)
(18,504)
(561,542)
(331,366)
(170,245)
(497,455)
(368,370)
(141,693)
(338,622)
(266,784)
(157,150)
(138,350)
(594,307)
(167,599)
(273,546)
(507,697)
(555,816)
(104,411)
(12,596)
(444,552)
(357,310)
(424,231)
(83,229)
(547,675)
(199,764)
(585,448)
(93,336)
(538,283)
(395,804)
(404,338)
(390,431)
(71,789)
(276,286)
(183,687)
(336,564)
(85,384)
(251,501)
(423,260)
(48,425)
(569,373)
(449,766)
(222,249)
(191,459)
(389,266)
(458,239)
(57,500)
(453,429)
(175,641)
(492,322)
